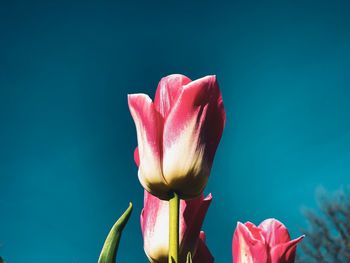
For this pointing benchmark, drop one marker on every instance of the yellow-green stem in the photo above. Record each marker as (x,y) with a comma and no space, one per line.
(174,228)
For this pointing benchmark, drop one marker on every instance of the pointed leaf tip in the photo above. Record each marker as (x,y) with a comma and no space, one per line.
(189,258)
(110,247)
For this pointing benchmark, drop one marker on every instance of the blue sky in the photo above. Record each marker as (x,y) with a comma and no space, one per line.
(67,137)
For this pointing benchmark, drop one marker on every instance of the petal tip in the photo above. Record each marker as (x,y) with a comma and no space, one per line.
(240,225)
(209,197)
(299,239)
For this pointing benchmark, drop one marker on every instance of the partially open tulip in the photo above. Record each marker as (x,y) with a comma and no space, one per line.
(178,135)
(155,229)
(268,243)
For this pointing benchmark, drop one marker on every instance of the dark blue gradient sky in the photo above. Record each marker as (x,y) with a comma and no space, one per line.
(67,137)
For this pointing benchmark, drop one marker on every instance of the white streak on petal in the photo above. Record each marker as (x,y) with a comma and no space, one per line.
(245,254)
(149,125)
(157,235)
(183,164)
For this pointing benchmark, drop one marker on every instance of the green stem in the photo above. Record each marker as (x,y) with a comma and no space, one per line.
(174,228)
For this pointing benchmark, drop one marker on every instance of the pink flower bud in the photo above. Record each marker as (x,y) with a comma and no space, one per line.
(268,243)
(155,229)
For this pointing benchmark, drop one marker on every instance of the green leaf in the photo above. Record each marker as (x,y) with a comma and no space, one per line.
(189,258)
(110,247)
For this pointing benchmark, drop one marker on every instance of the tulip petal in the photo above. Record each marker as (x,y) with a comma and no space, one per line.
(202,254)
(285,252)
(168,91)
(155,228)
(246,247)
(137,156)
(149,126)
(275,232)
(192,214)
(192,131)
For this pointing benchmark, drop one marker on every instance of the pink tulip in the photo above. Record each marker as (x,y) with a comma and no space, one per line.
(268,243)
(155,229)
(178,135)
